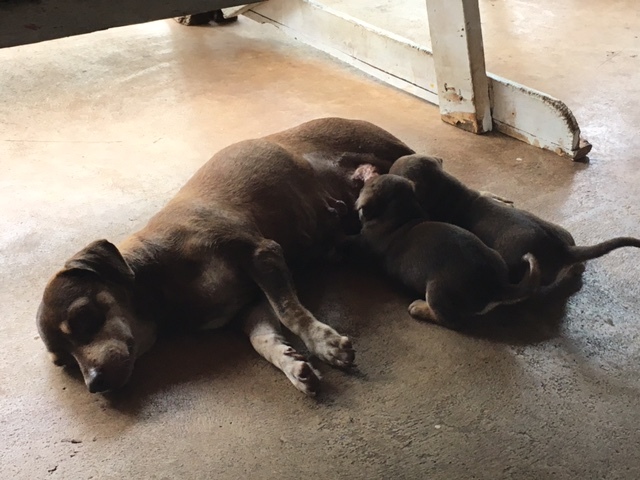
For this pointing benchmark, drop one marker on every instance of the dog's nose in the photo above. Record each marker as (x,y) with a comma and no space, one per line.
(96,381)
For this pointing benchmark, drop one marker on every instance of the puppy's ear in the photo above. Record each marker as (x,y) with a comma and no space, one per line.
(367,212)
(439,160)
(366,208)
(103,259)
(413,184)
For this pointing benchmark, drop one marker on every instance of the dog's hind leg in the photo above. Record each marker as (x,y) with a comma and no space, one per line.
(263,330)
(269,270)
(428,310)
(421,310)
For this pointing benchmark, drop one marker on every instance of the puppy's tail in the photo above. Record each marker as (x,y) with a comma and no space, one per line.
(529,284)
(582,254)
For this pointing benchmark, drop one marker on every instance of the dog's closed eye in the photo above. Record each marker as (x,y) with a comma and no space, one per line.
(84,319)
(62,359)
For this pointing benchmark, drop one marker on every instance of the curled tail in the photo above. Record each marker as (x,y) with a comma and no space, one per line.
(582,254)
(529,284)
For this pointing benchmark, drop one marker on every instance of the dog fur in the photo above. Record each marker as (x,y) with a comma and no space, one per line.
(510,231)
(461,276)
(225,241)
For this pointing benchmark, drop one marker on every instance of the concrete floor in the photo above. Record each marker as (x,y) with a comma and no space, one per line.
(98,131)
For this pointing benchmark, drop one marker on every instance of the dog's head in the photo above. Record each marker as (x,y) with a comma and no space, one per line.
(430,179)
(86,316)
(421,169)
(388,198)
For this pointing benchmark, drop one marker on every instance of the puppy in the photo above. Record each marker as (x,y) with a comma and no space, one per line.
(510,231)
(461,276)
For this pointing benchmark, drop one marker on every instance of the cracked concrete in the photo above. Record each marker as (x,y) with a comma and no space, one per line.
(98,131)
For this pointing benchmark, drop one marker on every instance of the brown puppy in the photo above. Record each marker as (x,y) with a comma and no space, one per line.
(510,231)
(462,277)
(222,243)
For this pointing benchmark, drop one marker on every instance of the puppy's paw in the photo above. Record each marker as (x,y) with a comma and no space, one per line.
(420,310)
(337,208)
(331,347)
(300,372)
(414,307)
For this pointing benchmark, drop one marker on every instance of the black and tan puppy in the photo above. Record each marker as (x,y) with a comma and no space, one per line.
(510,231)
(225,241)
(461,276)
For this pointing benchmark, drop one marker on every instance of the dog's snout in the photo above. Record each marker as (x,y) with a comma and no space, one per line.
(96,381)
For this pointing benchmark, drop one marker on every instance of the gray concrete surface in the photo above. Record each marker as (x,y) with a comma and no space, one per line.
(97,132)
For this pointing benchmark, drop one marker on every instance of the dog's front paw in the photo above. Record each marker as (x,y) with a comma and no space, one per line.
(300,372)
(331,347)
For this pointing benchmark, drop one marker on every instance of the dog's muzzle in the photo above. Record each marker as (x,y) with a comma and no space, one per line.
(96,381)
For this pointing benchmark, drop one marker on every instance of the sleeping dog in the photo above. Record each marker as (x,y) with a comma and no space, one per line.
(510,231)
(224,242)
(461,276)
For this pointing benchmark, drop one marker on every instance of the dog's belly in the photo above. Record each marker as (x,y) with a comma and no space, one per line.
(219,319)
(212,298)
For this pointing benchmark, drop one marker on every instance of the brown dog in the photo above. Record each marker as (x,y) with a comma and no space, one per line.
(457,275)
(227,237)
(510,231)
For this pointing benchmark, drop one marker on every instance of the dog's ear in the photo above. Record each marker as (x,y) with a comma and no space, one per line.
(103,259)
(367,212)
(439,160)
(413,184)
(366,208)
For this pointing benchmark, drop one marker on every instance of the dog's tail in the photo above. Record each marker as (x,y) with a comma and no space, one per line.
(529,284)
(582,254)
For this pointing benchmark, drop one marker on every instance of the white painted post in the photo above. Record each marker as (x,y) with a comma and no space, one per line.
(518,111)
(458,52)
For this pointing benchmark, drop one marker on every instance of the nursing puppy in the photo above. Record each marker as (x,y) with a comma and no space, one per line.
(223,244)
(461,276)
(510,231)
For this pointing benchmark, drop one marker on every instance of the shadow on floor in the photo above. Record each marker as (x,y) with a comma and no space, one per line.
(345,297)
(530,322)
(183,359)
(533,321)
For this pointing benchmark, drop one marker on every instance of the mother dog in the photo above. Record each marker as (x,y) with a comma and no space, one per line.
(222,241)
